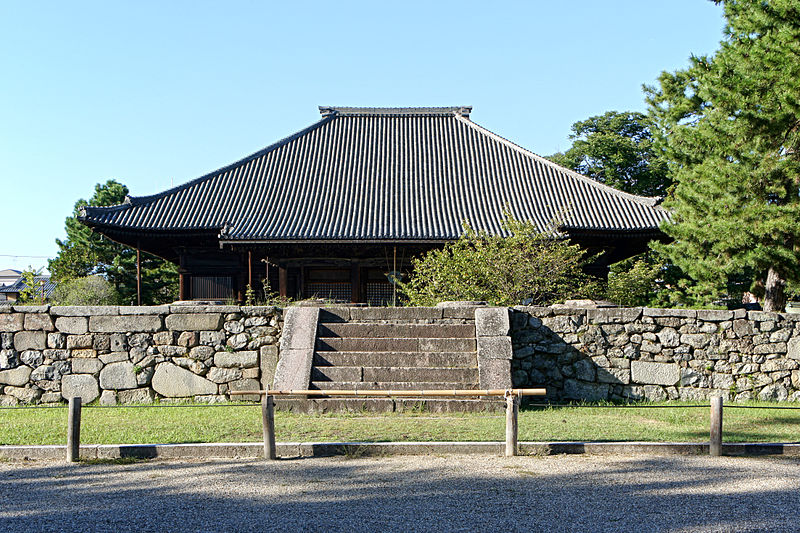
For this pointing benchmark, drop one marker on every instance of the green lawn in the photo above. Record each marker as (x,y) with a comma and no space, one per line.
(166,424)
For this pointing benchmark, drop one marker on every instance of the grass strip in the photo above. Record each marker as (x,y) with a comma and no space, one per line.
(199,423)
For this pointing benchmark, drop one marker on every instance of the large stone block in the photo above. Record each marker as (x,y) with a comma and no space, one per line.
(11,321)
(492,322)
(495,348)
(84,310)
(72,324)
(80,385)
(135,396)
(245,385)
(394,313)
(194,322)
(30,340)
(613,315)
(117,376)
(175,382)
(714,315)
(589,392)
(223,375)
(655,373)
(268,360)
(236,359)
(494,373)
(300,328)
(143,309)
(86,365)
(39,322)
(24,395)
(122,324)
(294,369)
(16,376)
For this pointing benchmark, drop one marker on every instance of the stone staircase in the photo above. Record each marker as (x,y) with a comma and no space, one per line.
(359,350)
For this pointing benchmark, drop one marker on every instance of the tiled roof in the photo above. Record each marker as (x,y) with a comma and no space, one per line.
(19,286)
(383,174)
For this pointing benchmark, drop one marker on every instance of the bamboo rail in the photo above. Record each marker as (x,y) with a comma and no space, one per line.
(512,397)
(428,393)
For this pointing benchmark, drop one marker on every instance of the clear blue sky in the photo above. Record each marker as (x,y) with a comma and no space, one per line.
(156,93)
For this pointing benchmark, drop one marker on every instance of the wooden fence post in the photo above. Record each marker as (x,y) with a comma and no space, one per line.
(74,429)
(268,422)
(715,444)
(512,414)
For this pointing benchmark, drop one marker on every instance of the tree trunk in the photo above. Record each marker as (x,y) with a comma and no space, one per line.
(774,294)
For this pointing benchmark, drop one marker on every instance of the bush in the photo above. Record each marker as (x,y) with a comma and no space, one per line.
(91,290)
(524,267)
(633,282)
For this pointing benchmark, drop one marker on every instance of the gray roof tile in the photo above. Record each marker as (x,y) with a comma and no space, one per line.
(383,174)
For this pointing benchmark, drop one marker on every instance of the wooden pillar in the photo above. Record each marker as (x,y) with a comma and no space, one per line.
(715,442)
(138,275)
(512,424)
(355,283)
(268,425)
(74,429)
(283,281)
(250,268)
(182,286)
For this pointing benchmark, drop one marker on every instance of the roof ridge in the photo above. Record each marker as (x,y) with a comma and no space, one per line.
(139,200)
(650,201)
(395,111)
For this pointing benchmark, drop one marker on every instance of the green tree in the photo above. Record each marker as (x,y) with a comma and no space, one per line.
(33,293)
(617,149)
(523,267)
(731,126)
(85,253)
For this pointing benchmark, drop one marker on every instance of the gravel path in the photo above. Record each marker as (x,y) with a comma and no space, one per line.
(444,493)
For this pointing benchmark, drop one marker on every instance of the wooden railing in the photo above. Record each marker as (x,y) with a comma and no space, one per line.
(512,397)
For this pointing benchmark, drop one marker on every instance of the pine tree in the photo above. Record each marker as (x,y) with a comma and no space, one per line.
(731,130)
(616,148)
(85,253)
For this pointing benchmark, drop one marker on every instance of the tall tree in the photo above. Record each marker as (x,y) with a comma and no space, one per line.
(85,253)
(731,127)
(616,148)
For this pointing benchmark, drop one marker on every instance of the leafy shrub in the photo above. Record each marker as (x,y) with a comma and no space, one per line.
(91,290)
(525,267)
(633,282)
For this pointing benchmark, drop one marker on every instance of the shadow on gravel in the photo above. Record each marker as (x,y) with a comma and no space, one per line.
(446,494)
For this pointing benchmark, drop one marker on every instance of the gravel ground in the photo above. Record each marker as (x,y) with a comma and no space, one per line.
(408,493)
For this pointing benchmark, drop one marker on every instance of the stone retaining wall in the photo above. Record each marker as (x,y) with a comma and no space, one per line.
(134,354)
(657,354)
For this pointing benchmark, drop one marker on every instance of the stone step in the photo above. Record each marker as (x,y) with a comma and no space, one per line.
(393,374)
(370,314)
(437,359)
(413,331)
(389,405)
(350,344)
(392,385)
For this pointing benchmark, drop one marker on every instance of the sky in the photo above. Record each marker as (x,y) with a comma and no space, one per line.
(154,94)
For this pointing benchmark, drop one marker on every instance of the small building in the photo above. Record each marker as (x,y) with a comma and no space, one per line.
(9,276)
(11,292)
(337,209)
